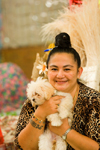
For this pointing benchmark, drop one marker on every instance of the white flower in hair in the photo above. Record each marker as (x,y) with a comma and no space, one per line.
(42,68)
(39,78)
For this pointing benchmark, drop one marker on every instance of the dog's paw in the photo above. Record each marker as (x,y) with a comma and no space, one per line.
(54,119)
(56,123)
(64,114)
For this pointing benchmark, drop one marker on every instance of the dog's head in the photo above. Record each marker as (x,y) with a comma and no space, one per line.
(39,91)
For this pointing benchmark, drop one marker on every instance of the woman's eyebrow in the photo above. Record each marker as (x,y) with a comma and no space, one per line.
(53,66)
(63,66)
(67,66)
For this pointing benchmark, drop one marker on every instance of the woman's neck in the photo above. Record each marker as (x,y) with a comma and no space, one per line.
(75,94)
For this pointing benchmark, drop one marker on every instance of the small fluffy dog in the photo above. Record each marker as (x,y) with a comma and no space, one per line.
(40,91)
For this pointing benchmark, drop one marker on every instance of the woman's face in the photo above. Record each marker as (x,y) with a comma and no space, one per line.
(63,72)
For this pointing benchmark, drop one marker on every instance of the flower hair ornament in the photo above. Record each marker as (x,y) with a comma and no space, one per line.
(42,68)
(39,68)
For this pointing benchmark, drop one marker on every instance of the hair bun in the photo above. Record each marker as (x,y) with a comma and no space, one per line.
(63,40)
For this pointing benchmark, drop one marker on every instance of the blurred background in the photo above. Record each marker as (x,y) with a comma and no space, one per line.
(20,40)
(20,29)
(21,23)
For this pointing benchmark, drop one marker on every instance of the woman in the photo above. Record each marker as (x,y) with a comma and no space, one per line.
(64,70)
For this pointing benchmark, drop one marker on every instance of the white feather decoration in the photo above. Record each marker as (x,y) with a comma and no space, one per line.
(83,26)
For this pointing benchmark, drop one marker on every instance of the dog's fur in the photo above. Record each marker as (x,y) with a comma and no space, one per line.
(40,91)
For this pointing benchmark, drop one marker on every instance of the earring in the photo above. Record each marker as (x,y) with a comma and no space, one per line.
(78,79)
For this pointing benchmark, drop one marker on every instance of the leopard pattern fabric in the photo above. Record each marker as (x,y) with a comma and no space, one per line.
(86,115)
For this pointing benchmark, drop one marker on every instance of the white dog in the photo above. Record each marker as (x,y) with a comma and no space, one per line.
(40,91)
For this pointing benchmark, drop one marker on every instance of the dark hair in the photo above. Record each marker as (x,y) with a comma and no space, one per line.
(63,45)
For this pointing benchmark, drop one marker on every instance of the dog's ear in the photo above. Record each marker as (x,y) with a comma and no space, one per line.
(48,92)
(29,89)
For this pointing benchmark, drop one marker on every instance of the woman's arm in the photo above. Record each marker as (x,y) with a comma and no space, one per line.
(24,128)
(75,139)
(81,142)
(28,135)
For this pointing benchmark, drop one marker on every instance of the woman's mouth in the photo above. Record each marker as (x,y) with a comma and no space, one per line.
(61,82)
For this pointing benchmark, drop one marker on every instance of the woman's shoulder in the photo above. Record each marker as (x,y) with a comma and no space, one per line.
(88,100)
(84,89)
(89,95)
(27,103)
(27,107)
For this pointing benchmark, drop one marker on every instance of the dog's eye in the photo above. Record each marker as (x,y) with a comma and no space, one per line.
(37,94)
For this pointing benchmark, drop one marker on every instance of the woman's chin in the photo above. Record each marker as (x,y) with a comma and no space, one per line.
(62,89)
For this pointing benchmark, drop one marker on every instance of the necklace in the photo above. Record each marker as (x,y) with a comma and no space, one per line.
(75,96)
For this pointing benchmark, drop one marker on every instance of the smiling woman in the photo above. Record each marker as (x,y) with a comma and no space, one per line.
(64,70)
(64,67)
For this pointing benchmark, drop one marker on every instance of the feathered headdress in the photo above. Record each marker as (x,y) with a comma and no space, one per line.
(83,25)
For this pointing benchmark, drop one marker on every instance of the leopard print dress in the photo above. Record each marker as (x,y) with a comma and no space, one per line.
(86,115)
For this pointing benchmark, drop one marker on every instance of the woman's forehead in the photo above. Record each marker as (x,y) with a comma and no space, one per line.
(64,66)
(65,58)
(62,60)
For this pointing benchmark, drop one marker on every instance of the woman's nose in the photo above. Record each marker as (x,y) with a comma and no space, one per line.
(60,74)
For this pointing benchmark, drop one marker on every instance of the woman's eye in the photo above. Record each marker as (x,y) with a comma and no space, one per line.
(54,69)
(67,69)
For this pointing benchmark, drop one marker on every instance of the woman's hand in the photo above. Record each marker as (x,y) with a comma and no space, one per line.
(48,107)
(60,130)
(83,142)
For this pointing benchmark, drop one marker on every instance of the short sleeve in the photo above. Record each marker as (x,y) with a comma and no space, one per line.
(24,117)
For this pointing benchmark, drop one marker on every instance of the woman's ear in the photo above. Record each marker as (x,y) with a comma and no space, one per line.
(80,70)
(47,73)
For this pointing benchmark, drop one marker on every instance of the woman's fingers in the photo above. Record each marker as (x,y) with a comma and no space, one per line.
(51,106)
(59,129)
(57,97)
(57,106)
(55,102)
